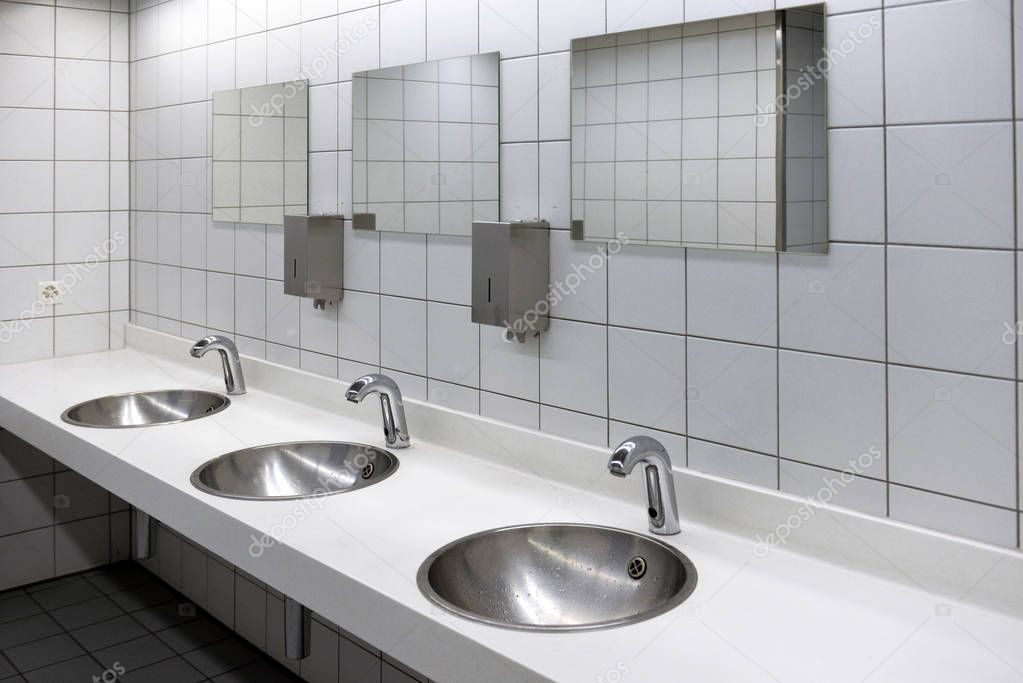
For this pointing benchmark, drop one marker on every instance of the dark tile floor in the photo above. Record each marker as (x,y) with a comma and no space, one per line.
(120,623)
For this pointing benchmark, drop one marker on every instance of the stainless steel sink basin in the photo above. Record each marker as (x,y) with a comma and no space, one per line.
(145,408)
(286,471)
(557,577)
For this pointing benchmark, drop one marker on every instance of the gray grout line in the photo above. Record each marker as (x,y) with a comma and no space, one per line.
(1015,267)
(53,206)
(887,372)
(4,658)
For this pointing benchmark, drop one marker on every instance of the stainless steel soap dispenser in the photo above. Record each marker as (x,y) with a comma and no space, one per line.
(511,276)
(314,258)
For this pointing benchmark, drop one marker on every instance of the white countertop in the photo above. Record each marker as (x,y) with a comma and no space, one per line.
(885,603)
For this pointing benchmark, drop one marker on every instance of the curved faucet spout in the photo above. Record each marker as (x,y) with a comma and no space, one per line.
(391,406)
(660,483)
(234,380)
(636,450)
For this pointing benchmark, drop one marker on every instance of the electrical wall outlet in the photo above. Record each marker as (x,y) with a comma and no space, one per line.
(50,293)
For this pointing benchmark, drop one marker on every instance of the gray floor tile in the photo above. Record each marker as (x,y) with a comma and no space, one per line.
(119,577)
(226,655)
(263,671)
(6,668)
(135,654)
(17,606)
(51,583)
(110,632)
(193,635)
(145,595)
(85,613)
(78,669)
(40,653)
(166,615)
(26,630)
(175,670)
(64,593)
(165,638)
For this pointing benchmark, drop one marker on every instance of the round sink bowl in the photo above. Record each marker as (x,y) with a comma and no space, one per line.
(145,409)
(557,577)
(286,471)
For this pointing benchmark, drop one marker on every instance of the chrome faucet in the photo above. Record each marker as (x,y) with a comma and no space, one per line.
(395,427)
(660,484)
(233,378)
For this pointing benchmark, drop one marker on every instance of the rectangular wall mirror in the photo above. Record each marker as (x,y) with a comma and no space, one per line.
(260,153)
(425,146)
(710,134)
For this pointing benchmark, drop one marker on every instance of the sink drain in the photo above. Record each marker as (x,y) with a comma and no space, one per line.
(637,567)
(367,471)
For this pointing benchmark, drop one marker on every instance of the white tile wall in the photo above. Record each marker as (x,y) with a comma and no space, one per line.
(855,492)
(732,394)
(774,370)
(947,309)
(63,192)
(935,69)
(951,185)
(646,378)
(834,304)
(831,410)
(732,297)
(953,434)
(733,463)
(856,84)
